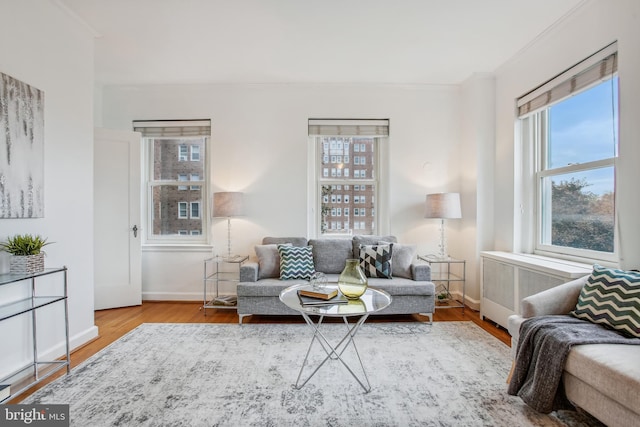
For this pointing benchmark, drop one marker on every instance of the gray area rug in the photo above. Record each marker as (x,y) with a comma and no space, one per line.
(445,374)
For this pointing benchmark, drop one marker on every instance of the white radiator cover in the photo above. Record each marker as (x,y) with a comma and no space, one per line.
(507,278)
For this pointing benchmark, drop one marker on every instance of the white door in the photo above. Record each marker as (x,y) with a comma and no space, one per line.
(117,230)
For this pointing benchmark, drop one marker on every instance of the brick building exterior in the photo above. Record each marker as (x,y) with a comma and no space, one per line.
(348,200)
(178,209)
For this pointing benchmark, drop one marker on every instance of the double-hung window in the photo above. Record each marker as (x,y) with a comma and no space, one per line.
(175,153)
(569,129)
(335,142)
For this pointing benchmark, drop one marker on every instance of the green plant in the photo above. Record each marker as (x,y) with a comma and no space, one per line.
(24,244)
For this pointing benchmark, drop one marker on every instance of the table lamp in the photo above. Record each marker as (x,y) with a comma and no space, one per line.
(228,204)
(443,206)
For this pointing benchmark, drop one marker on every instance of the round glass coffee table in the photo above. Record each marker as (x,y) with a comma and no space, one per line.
(372,301)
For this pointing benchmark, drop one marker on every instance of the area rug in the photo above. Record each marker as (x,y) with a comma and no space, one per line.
(445,374)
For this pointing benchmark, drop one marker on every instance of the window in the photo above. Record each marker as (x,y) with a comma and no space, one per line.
(174,154)
(195,177)
(182,153)
(570,127)
(337,137)
(195,153)
(182,177)
(182,210)
(195,210)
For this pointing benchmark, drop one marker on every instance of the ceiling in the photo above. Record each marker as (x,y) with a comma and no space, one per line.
(307,41)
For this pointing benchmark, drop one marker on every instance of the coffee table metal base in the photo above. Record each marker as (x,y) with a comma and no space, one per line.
(334,352)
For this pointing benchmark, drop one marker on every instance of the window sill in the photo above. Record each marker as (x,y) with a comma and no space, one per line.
(177,247)
(553,266)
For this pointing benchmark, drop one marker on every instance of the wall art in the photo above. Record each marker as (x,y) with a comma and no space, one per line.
(21,149)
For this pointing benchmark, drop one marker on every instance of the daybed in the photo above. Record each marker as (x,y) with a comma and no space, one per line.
(602,379)
(260,285)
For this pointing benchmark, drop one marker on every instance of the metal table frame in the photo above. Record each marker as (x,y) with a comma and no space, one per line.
(372,301)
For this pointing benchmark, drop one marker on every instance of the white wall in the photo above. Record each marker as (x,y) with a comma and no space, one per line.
(45,48)
(259,146)
(475,163)
(590,28)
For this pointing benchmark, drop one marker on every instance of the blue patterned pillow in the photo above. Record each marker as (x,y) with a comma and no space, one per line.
(375,260)
(611,297)
(296,262)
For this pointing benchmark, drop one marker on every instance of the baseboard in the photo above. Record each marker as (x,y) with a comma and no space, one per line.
(172,296)
(76,341)
(469,302)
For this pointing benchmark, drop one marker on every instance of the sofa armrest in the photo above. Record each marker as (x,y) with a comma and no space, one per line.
(249,272)
(421,272)
(558,300)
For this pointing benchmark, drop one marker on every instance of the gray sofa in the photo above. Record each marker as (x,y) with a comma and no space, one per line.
(602,379)
(259,288)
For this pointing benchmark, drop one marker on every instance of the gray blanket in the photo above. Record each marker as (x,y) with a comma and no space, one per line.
(543,347)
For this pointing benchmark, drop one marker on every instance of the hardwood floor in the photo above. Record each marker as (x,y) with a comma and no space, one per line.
(114,323)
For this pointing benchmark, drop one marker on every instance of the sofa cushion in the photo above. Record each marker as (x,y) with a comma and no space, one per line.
(394,287)
(403,256)
(612,369)
(295,262)
(295,241)
(370,240)
(611,297)
(268,261)
(376,260)
(329,255)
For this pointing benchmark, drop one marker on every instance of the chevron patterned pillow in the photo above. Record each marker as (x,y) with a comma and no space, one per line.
(375,260)
(296,262)
(611,297)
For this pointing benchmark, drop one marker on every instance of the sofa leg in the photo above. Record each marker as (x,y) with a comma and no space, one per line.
(429,315)
(513,367)
(242,316)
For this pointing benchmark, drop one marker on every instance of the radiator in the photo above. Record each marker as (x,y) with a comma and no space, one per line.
(507,278)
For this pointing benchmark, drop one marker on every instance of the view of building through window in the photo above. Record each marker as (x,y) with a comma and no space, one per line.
(347,178)
(177,208)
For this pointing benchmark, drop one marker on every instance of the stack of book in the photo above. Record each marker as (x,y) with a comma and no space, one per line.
(324,296)
(5,391)
(226,300)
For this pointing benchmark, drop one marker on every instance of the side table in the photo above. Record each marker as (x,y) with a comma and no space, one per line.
(444,272)
(372,301)
(214,275)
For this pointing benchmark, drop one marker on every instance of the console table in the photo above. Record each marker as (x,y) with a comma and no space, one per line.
(36,370)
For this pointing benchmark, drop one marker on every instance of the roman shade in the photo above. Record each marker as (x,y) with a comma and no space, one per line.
(373,128)
(599,67)
(172,128)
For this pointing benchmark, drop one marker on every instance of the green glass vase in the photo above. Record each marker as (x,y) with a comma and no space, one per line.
(352,281)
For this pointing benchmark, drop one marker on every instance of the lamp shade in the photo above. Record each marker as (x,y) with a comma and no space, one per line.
(443,205)
(227,204)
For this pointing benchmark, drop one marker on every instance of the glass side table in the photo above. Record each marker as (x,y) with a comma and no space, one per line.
(371,302)
(444,272)
(214,275)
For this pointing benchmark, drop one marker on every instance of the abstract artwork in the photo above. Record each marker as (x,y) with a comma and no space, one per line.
(21,149)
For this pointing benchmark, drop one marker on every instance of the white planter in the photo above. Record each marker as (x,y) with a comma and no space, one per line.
(26,264)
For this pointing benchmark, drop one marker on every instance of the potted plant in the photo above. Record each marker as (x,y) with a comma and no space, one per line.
(443,298)
(26,249)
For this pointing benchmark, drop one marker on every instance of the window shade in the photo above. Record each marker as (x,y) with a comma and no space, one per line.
(318,127)
(599,67)
(172,128)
